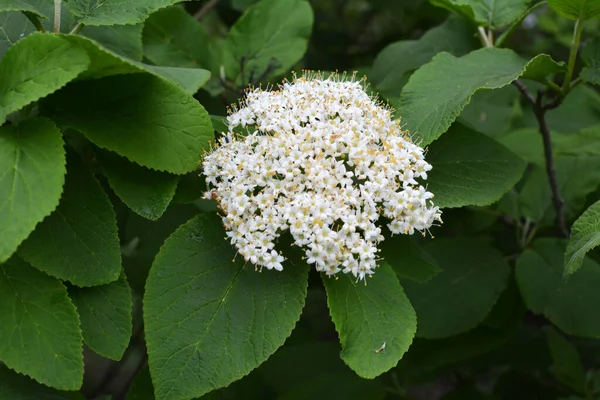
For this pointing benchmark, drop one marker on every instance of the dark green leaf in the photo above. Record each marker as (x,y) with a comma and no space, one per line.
(114,12)
(32,170)
(408,259)
(15,386)
(576,9)
(591,58)
(105,313)
(566,363)
(20,5)
(124,40)
(78,242)
(14,26)
(141,388)
(375,321)
(210,320)
(39,327)
(489,13)
(473,276)
(585,235)
(491,111)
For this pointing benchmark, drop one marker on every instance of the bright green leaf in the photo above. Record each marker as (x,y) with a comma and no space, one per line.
(145,191)
(39,327)
(375,322)
(14,26)
(576,9)
(408,259)
(566,363)
(473,276)
(78,242)
(591,58)
(124,40)
(470,168)
(397,61)
(209,320)
(437,92)
(569,303)
(585,235)
(489,13)
(105,313)
(270,37)
(32,171)
(138,116)
(115,12)
(35,67)
(15,386)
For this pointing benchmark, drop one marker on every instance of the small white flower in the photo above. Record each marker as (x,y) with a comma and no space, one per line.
(323,160)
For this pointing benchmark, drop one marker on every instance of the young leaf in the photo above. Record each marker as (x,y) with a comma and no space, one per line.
(209,320)
(473,276)
(35,67)
(32,173)
(591,58)
(39,327)
(585,235)
(270,37)
(569,303)
(147,192)
(408,259)
(469,168)
(492,14)
(138,116)
(14,26)
(576,9)
(78,242)
(397,61)
(375,322)
(438,91)
(115,12)
(15,386)
(566,363)
(105,313)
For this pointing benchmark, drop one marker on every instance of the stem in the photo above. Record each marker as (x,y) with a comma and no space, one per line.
(57,5)
(487,39)
(76,29)
(35,21)
(205,9)
(573,54)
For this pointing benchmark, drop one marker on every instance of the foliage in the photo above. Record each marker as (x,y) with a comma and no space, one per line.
(113,262)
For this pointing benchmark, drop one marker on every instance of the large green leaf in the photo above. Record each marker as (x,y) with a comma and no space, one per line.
(491,112)
(566,362)
(585,235)
(145,191)
(591,58)
(569,303)
(35,67)
(15,386)
(115,12)
(489,13)
(438,91)
(13,27)
(39,327)
(576,9)
(20,5)
(271,34)
(375,321)
(141,388)
(105,313)
(209,320)
(397,61)
(32,170)
(469,168)
(473,276)
(408,259)
(124,40)
(137,116)
(78,242)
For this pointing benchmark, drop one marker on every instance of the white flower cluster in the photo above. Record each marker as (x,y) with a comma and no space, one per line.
(323,160)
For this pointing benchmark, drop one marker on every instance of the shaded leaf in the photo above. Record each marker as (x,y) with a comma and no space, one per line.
(591,58)
(408,259)
(124,40)
(575,9)
(114,12)
(489,13)
(566,363)
(14,26)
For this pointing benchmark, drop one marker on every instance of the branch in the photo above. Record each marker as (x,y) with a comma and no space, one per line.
(205,9)
(540,109)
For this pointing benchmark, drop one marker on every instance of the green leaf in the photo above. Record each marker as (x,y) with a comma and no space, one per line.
(115,12)
(591,58)
(209,320)
(35,67)
(397,61)
(105,313)
(491,112)
(124,40)
(566,363)
(145,191)
(569,303)
(576,9)
(470,168)
(32,170)
(189,79)
(375,321)
(437,92)
(39,327)
(271,36)
(20,5)
(14,26)
(141,388)
(489,13)
(473,276)
(408,259)
(138,116)
(78,242)
(342,385)
(585,235)
(15,386)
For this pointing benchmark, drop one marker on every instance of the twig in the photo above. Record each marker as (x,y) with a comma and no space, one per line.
(205,9)
(539,110)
